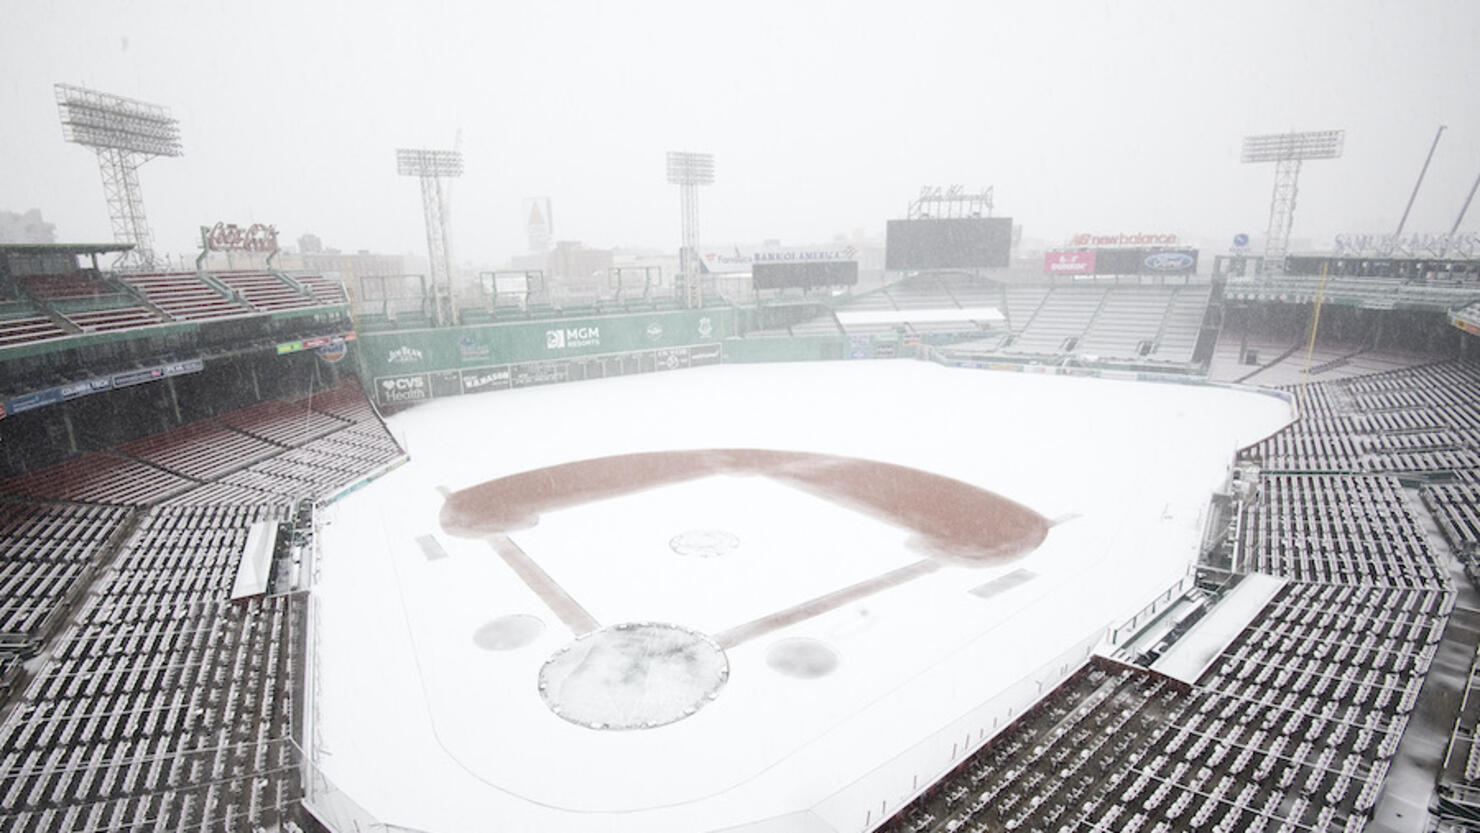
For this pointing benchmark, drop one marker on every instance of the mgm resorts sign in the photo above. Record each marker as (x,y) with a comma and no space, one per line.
(564,339)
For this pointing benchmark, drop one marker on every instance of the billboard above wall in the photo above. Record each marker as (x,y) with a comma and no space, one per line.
(1121,261)
(949,243)
(805,275)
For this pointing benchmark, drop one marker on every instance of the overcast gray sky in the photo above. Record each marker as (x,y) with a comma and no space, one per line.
(823,117)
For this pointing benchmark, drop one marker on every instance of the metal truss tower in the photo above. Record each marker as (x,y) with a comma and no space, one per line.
(432,166)
(688,171)
(1287,151)
(125,133)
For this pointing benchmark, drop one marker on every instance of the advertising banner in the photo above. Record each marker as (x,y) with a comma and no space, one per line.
(1170,262)
(480,379)
(1069,263)
(1120,261)
(399,390)
(77,389)
(673,359)
(740,261)
(810,275)
(704,354)
(30,401)
(397,353)
(538,373)
(181,368)
(445,382)
(137,377)
(100,384)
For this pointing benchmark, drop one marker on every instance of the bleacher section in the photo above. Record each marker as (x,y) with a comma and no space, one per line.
(1127,323)
(1150,324)
(1182,324)
(1131,323)
(1059,322)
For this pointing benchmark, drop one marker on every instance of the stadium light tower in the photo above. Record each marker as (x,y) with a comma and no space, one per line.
(126,134)
(688,171)
(432,166)
(1287,151)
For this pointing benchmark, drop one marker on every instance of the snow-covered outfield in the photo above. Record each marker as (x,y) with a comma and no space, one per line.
(430,647)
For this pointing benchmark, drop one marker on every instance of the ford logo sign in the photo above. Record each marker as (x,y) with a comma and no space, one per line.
(1169,261)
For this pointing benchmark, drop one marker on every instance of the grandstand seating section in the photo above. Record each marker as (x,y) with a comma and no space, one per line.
(185,296)
(46,550)
(266,291)
(1336,528)
(100,477)
(1142,323)
(113,318)
(1294,725)
(83,284)
(164,705)
(1061,316)
(1456,506)
(1415,419)
(55,306)
(324,290)
(21,323)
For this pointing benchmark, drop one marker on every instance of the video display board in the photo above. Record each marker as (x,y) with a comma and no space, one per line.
(950,243)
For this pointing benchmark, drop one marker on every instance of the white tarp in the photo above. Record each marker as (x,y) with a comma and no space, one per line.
(1196,650)
(255,566)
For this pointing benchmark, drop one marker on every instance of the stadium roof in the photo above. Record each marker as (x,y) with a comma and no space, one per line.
(64,248)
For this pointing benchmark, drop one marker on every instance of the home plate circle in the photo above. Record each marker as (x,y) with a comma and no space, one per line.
(637,675)
(704,543)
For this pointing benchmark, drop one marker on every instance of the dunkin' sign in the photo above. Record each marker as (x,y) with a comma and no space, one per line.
(1069,263)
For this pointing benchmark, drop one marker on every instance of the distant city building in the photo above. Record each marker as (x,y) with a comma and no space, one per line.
(26,228)
(539,224)
(310,244)
(354,267)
